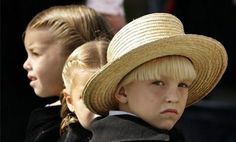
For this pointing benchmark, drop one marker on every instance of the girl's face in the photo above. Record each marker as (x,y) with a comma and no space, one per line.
(44,63)
(158,102)
(75,102)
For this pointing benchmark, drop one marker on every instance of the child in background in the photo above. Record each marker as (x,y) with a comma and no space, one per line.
(49,39)
(154,71)
(79,67)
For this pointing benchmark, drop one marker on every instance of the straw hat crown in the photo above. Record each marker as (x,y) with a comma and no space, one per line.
(144,30)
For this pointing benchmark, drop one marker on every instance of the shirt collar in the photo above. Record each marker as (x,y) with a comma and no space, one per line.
(118,112)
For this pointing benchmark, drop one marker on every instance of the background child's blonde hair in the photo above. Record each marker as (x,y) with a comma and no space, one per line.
(89,57)
(71,25)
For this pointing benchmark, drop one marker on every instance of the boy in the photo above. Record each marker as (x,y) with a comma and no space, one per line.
(154,71)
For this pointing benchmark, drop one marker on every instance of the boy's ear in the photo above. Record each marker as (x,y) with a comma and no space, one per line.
(121,95)
(68,100)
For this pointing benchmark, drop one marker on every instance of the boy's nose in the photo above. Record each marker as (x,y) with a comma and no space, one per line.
(172,95)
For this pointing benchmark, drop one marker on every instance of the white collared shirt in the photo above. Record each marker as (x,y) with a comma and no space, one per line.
(118,112)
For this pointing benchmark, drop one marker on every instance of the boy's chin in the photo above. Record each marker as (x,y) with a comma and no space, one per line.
(165,125)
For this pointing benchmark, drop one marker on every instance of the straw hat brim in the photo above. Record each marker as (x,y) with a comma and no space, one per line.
(207,55)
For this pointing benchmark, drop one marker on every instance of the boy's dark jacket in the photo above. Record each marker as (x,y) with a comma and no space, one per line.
(128,128)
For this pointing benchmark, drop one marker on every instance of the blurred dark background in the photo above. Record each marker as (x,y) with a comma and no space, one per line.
(212,119)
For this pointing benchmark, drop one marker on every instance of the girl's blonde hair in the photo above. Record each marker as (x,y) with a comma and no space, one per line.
(89,57)
(178,68)
(71,25)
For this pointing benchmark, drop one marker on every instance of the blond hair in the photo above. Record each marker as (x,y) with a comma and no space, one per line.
(71,25)
(89,57)
(178,68)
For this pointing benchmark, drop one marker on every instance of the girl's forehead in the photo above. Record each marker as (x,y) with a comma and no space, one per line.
(37,38)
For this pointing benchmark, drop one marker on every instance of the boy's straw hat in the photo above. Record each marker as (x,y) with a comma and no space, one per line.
(149,37)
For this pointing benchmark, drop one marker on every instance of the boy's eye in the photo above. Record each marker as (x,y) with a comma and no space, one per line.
(158,82)
(184,85)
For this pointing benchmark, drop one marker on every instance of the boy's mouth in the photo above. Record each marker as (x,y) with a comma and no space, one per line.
(169,111)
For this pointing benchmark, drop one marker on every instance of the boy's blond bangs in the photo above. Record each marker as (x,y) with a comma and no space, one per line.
(175,67)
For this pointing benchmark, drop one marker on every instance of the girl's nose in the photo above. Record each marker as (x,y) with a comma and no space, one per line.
(27,65)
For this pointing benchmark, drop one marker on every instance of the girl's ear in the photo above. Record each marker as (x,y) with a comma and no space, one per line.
(121,95)
(68,99)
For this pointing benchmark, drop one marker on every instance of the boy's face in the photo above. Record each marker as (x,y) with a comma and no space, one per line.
(44,63)
(75,101)
(159,102)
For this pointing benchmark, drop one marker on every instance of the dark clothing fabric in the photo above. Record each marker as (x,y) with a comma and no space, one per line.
(125,128)
(44,125)
(209,121)
(176,135)
(76,133)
